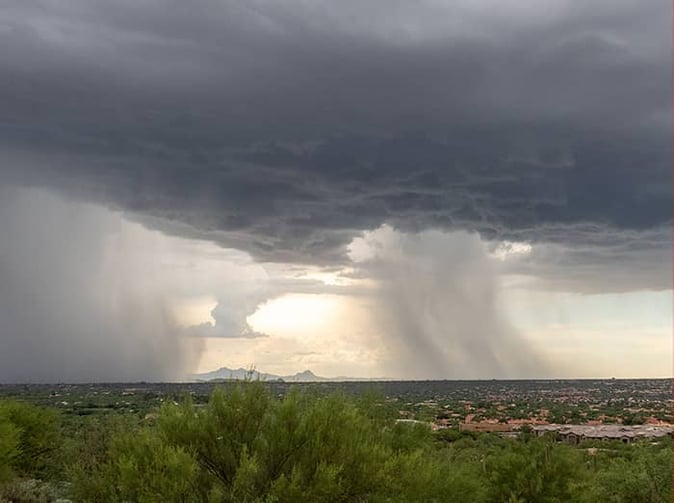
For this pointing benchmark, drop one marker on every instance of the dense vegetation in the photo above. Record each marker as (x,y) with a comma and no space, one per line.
(247,445)
(626,401)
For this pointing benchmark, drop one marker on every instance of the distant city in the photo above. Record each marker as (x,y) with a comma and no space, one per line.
(484,405)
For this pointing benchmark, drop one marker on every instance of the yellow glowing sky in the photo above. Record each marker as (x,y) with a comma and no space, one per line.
(334,333)
(328,334)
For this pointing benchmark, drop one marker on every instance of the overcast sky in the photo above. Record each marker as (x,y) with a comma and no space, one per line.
(438,188)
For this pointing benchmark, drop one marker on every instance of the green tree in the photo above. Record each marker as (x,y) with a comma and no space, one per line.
(39,438)
(642,474)
(140,468)
(9,448)
(537,470)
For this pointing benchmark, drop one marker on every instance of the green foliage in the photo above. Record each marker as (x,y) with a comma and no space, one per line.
(642,474)
(448,435)
(9,448)
(37,431)
(537,470)
(89,443)
(297,449)
(27,491)
(431,476)
(246,445)
(219,435)
(140,468)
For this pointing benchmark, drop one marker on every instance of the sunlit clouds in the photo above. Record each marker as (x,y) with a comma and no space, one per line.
(101,297)
(430,189)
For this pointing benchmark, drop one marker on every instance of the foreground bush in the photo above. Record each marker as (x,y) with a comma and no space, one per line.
(254,448)
(247,446)
(140,468)
(9,449)
(29,440)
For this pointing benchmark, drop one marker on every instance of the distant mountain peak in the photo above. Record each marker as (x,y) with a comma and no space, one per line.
(225,373)
(305,373)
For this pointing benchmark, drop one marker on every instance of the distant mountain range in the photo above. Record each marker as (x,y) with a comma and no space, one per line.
(224,374)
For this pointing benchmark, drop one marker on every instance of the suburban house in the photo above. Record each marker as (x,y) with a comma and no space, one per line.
(573,434)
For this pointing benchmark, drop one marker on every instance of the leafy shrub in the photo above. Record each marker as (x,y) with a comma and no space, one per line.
(140,468)
(246,446)
(29,439)
(9,448)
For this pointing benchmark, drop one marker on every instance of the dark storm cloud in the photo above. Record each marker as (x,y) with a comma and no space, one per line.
(599,260)
(74,308)
(286,128)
